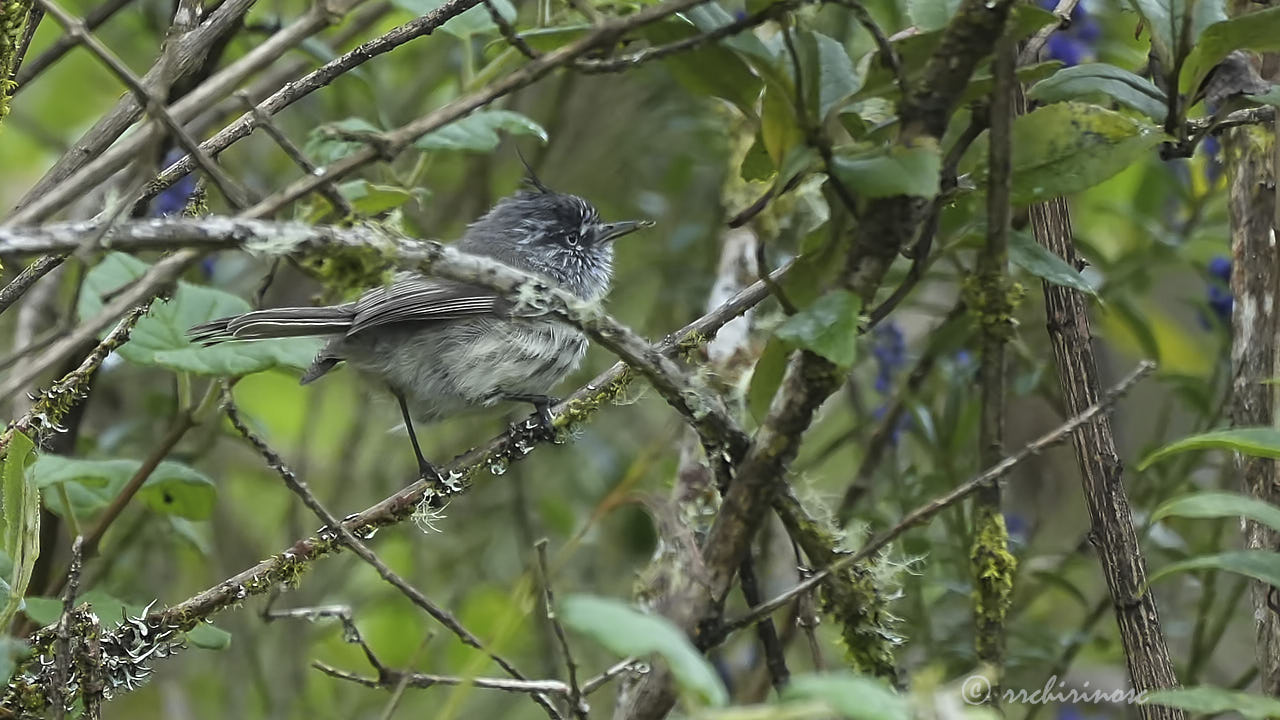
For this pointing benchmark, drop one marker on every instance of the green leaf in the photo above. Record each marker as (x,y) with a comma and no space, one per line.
(209,637)
(478,132)
(172,488)
(1034,258)
(627,631)
(1065,148)
(779,128)
(829,74)
(323,148)
(1125,87)
(710,16)
(1256,441)
(828,327)
(1175,25)
(710,69)
(160,338)
(931,15)
(1258,31)
(756,165)
(472,22)
(11,651)
(852,696)
(21,517)
(1261,565)
(766,376)
(1219,505)
(548,38)
(895,170)
(1214,701)
(369,199)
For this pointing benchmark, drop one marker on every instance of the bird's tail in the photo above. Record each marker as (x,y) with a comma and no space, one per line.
(277,323)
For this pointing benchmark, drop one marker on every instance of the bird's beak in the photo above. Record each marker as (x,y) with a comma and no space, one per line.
(608,232)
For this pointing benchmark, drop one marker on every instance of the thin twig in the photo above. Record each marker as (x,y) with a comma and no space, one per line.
(1031,50)
(235,195)
(62,655)
(34,16)
(576,705)
(925,512)
(328,190)
(18,286)
(508,32)
(336,526)
(888,54)
(627,62)
(97,16)
(536,688)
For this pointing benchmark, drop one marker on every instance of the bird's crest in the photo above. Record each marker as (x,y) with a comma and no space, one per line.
(531,178)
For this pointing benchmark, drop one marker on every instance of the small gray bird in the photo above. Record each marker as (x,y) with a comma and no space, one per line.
(441,346)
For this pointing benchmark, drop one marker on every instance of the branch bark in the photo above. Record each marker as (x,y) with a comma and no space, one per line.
(1101,471)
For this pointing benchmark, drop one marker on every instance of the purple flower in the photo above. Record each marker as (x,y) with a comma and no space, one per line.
(175,198)
(1075,43)
(1220,300)
(889,349)
(1213,151)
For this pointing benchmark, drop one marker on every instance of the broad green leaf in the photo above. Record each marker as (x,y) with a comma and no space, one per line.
(472,22)
(160,338)
(1218,505)
(171,488)
(209,637)
(1128,88)
(367,198)
(17,459)
(628,631)
(852,696)
(710,69)
(1175,25)
(21,514)
(323,148)
(756,165)
(829,74)
(11,651)
(1256,441)
(931,15)
(1258,31)
(895,170)
(1033,257)
(1261,565)
(828,327)
(763,60)
(1214,701)
(779,128)
(478,132)
(1065,148)
(766,376)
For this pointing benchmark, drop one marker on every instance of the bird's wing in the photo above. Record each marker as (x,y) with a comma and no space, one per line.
(419,299)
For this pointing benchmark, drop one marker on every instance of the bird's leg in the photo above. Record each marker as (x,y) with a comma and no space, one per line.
(542,405)
(426,470)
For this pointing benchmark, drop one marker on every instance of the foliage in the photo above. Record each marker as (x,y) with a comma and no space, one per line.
(786,121)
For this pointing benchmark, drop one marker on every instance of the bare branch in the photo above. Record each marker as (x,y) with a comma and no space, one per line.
(336,527)
(929,510)
(576,705)
(97,16)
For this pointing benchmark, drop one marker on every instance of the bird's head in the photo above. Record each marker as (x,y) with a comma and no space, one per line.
(556,235)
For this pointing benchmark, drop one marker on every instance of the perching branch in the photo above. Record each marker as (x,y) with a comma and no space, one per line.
(421,495)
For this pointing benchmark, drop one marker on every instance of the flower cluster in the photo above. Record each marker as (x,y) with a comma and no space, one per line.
(1075,43)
